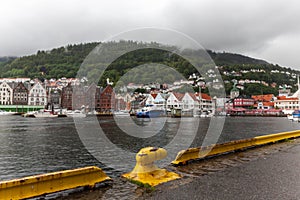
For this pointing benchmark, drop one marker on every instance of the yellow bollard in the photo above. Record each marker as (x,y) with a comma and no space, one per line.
(146,172)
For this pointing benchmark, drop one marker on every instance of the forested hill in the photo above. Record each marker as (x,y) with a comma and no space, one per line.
(65,62)
(230,59)
(55,63)
(7,59)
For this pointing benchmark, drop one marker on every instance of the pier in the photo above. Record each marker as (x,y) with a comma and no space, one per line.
(256,168)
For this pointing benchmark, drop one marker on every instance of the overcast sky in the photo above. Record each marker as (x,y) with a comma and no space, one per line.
(266,29)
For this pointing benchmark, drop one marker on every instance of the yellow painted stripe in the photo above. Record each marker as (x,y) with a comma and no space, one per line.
(202,152)
(33,186)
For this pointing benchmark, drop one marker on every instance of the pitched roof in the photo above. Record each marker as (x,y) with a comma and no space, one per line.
(153,95)
(193,96)
(203,96)
(179,96)
(264,97)
(284,98)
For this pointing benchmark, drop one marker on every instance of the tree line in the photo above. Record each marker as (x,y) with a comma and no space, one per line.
(66,61)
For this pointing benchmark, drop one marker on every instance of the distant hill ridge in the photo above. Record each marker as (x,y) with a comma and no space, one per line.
(65,62)
(7,58)
(233,58)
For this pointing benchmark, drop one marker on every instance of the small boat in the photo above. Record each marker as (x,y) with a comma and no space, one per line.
(290,117)
(45,114)
(3,112)
(121,113)
(75,113)
(29,114)
(150,111)
(296,115)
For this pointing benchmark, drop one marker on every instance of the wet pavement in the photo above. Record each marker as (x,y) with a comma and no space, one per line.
(268,172)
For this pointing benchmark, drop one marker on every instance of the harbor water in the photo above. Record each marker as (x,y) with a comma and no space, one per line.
(30,146)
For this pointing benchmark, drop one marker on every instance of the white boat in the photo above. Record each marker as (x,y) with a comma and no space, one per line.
(3,112)
(202,114)
(121,113)
(290,117)
(29,114)
(44,114)
(75,113)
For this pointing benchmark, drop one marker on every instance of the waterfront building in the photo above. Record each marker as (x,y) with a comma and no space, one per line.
(243,102)
(6,93)
(189,102)
(263,105)
(107,99)
(37,95)
(79,102)
(287,104)
(174,101)
(90,97)
(160,101)
(20,94)
(264,102)
(150,99)
(54,98)
(157,99)
(205,103)
(66,97)
(120,103)
(97,99)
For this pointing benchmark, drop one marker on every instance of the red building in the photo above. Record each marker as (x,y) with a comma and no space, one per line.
(243,102)
(20,94)
(66,97)
(91,98)
(107,99)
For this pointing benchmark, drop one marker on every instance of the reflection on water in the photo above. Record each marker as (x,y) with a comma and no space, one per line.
(35,145)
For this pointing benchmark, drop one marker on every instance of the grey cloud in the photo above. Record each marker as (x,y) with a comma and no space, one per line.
(253,27)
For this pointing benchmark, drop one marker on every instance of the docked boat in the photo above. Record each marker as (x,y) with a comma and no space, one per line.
(75,113)
(29,114)
(290,117)
(150,111)
(121,113)
(296,115)
(3,112)
(45,114)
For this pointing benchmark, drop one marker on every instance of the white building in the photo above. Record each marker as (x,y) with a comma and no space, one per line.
(189,102)
(150,99)
(6,94)
(287,104)
(205,103)
(37,95)
(174,101)
(157,100)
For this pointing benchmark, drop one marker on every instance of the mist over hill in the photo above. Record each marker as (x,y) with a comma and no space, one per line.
(65,62)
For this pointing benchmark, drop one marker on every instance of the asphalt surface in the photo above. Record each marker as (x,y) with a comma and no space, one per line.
(274,174)
(267,172)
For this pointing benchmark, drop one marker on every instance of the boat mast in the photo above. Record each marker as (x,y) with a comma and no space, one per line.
(200,99)
(298,95)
